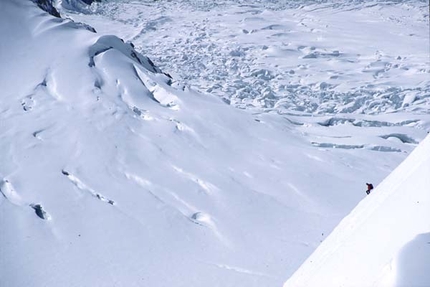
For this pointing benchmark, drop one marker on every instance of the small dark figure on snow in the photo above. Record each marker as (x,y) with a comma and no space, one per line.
(369,187)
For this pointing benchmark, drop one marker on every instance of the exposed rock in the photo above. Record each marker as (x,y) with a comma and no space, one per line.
(89,2)
(47,6)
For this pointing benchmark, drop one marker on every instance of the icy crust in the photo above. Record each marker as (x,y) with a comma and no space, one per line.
(311,56)
(384,241)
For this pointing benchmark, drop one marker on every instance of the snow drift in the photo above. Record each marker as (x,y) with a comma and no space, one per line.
(112,173)
(385,241)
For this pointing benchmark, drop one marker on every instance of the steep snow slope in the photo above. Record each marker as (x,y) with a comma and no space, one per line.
(385,241)
(113,175)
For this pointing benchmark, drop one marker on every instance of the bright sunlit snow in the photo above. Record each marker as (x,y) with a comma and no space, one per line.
(225,161)
(333,57)
(385,241)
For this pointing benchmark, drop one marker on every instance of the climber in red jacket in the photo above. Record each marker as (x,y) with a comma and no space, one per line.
(369,187)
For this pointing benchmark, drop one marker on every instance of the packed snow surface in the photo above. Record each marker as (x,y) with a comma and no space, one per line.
(385,241)
(112,173)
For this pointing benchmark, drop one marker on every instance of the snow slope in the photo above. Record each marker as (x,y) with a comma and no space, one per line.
(114,174)
(385,241)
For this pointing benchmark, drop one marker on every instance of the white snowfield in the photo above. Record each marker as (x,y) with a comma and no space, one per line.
(385,241)
(114,174)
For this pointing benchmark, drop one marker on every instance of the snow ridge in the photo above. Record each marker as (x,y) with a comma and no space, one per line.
(368,247)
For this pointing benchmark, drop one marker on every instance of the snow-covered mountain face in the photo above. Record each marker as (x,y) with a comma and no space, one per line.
(113,173)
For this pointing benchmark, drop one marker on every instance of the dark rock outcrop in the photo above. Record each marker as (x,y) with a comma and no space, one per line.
(89,2)
(47,6)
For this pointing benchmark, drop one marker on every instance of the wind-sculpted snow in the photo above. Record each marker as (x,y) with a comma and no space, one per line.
(311,56)
(114,173)
(106,43)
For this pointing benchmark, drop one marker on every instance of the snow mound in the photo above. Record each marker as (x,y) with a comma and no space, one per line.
(385,241)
